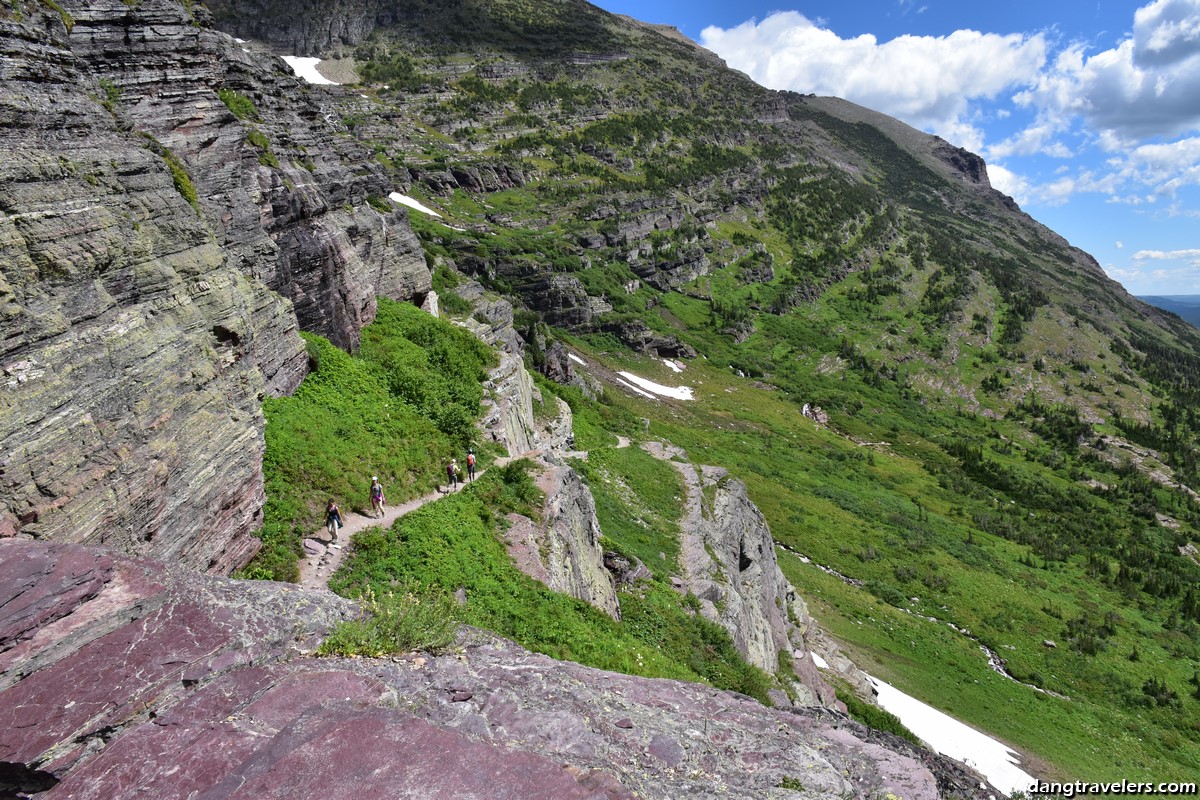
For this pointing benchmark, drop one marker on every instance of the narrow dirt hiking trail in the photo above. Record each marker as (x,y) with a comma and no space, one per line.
(322,558)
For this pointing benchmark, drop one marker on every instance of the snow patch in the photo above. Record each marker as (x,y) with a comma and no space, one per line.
(675,366)
(677,392)
(405,200)
(948,736)
(630,386)
(306,67)
(820,662)
(576,359)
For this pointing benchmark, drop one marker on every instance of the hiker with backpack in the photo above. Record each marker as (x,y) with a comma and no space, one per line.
(453,473)
(333,519)
(471,464)
(377,499)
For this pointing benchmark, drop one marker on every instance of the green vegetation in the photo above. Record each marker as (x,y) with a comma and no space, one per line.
(404,619)
(239,105)
(179,174)
(874,716)
(1003,431)
(67,20)
(453,546)
(398,409)
(996,537)
(112,95)
(638,502)
(259,141)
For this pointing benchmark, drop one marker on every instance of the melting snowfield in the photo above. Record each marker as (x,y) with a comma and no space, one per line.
(677,392)
(952,738)
(405,200)
(306,68)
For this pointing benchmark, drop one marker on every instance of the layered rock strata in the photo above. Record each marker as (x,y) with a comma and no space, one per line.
(124,678)
(158,254)
(562,547)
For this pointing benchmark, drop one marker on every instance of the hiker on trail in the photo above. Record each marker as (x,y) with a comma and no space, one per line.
(333,519)
(376,496)
(453,472)
(471,464)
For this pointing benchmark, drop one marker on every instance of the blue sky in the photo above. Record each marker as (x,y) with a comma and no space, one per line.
(1087,111)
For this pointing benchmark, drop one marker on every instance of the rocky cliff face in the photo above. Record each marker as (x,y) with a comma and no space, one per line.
(282,182)
(125,679)
(562,548)
(727,555)
(150,243)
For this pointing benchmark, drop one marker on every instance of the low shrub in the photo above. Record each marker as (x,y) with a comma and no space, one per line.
(406,618)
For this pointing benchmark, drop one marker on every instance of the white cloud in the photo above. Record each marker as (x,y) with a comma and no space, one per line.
(1137,101)
(927,81)
(1010,183)
(1167,32)
(1057,193)
(1192,255)
(1148,85)
(1037,138)
(1119,244)
(1150,172)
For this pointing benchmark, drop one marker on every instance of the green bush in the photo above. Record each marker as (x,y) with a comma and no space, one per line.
(181,179)
(450,302)
(405,618)
(452,545)
(874,716)
(112,95)
(399,409)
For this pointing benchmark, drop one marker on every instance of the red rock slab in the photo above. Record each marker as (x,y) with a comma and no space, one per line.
(383,754)
(105,682)
(56,598)
(39,586)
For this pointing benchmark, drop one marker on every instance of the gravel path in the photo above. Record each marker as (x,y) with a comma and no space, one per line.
(322,557)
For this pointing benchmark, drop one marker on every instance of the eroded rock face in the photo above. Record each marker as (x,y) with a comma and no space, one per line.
(282,183)
(150,243)
(128,679)
(562,548)
(134,356)
(727,555)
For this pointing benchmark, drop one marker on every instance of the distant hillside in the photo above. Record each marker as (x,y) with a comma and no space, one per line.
(1187,306)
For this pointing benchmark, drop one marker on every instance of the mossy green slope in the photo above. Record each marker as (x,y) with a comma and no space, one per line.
(1014,539)
(454,546)
(1009,429)
(405,403)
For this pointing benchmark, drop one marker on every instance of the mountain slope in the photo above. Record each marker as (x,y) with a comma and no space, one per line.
(1010,438)
(1009,441)
(1186,306)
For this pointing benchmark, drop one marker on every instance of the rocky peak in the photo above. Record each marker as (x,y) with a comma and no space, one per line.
(969,165)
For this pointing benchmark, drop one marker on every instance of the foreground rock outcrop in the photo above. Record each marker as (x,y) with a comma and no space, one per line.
(125,678)
(158,255)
